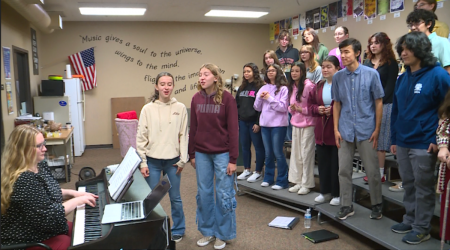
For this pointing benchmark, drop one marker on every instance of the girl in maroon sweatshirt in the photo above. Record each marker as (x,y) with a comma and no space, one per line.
(321,106)
(213,150)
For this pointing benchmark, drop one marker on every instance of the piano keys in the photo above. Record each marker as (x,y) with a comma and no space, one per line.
(89,233)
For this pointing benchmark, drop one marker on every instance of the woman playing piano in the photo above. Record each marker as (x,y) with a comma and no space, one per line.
(33,206)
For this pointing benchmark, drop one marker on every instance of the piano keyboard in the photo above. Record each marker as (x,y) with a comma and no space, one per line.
(87,225)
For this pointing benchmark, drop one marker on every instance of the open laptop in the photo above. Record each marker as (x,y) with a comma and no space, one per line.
(136,210)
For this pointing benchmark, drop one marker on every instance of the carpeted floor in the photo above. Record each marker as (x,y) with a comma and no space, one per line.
(252,215)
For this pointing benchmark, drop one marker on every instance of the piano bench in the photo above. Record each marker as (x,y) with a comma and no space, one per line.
(36,245)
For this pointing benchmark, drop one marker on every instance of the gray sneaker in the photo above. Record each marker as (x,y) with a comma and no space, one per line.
(376,212)
(344,212)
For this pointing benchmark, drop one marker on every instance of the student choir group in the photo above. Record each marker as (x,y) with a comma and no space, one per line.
(321,101)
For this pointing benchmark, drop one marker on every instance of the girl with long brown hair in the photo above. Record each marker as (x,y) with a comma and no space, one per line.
(380,56)
(310,37)
(313,69)
(249,129)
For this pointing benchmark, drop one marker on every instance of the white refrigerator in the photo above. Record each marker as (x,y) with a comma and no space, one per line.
(67,108)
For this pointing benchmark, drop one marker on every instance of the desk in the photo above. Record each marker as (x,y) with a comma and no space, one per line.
(65,140)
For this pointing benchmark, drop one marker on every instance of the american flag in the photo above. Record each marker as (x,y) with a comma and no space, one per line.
(84,64)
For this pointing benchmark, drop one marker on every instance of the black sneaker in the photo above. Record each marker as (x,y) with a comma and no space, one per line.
(177,238)
(344,212)
(376,212)
(401,228)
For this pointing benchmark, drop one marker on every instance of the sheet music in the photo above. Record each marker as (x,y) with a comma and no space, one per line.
(123,172)
(281,221)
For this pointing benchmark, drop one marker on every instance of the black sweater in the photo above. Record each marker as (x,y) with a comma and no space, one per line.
(244,101)
(388,76)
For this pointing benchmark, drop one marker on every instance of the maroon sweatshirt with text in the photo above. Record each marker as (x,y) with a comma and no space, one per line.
(214,127)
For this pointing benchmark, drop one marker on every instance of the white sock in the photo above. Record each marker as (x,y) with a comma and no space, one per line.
(381,172)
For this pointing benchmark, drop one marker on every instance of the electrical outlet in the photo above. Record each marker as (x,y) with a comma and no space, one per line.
(3,87)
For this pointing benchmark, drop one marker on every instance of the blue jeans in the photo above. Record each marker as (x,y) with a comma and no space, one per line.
(155,167)
(273,138)
(215,217)
(289,129)
(246,137)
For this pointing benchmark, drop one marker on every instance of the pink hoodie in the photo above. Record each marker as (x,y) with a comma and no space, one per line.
(304,119)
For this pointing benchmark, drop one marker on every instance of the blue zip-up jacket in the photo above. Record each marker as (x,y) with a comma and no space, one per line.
(417,98)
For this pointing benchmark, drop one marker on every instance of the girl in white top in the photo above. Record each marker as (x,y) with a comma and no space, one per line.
(162,143)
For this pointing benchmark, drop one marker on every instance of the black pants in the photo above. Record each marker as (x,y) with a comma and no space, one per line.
(328,163)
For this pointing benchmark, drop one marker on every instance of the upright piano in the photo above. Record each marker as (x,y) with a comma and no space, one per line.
(89,233)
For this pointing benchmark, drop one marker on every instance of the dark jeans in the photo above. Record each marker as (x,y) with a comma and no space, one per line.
(328,164)
(289,129)
(246,137)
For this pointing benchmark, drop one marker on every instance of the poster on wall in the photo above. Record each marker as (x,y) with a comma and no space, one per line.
(397,5)
(383,7)
(358,8)
(295,25)
(271,31)
(347,8)
(316,16)
(7,62)
(34,49)
(288,23)
(370,9)
(309,19)
(332,13)
(324,16)
(282,24)
(9,98)
(339,8)
(277,30)
(302,21)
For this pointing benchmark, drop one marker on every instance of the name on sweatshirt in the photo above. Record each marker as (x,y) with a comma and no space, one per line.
(248,93)
(208,108)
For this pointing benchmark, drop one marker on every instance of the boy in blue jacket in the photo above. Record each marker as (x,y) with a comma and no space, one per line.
(417,97)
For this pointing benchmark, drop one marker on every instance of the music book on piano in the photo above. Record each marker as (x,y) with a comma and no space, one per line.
(121,180)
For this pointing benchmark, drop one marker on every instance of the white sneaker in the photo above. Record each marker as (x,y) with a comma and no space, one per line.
(244,175)
(295,188)
(264,184)
(219,244)
(276,187)
(336,201)
(322,198)
(205,241)
(303,190)
(397,188)
(254,177)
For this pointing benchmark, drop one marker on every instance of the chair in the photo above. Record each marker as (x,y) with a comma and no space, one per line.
(127,130)
(35,245)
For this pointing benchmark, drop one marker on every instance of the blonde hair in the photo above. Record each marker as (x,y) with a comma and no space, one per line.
(312,60)
(218,85)
(18,156)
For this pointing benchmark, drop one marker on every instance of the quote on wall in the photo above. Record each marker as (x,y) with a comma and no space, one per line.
(147,59)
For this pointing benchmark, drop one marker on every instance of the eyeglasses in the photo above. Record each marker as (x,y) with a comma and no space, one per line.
(272,70)
(41,146)
(414,24)
(304,52)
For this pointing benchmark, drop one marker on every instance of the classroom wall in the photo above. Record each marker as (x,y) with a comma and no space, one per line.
(129,55)
(393,27)
(15,31)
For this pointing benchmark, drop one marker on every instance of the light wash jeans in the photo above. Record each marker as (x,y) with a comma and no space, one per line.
(215,217)
(155,167)
(273,138)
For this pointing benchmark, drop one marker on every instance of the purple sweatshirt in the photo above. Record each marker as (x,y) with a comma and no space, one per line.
(274,111)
